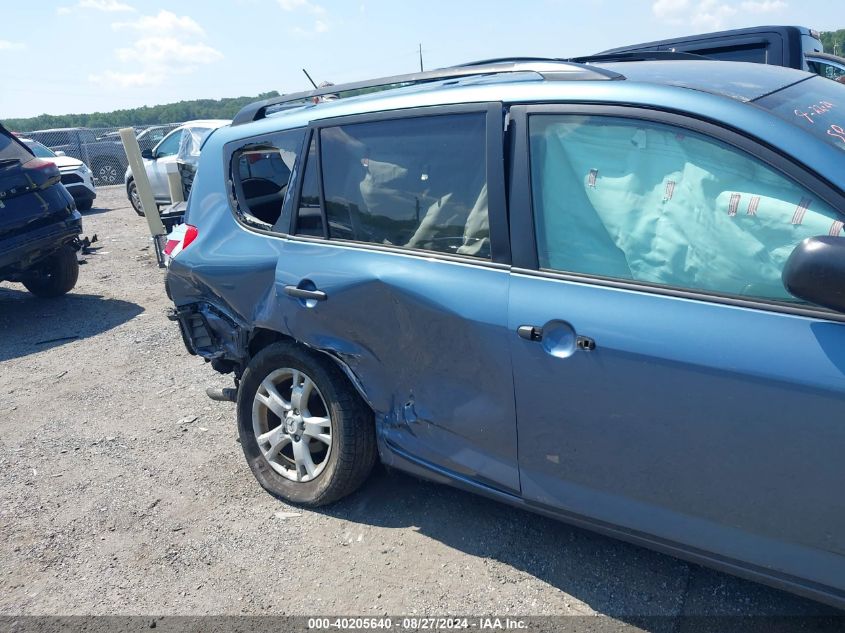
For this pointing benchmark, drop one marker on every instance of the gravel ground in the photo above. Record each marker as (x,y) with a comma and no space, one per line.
(123,490)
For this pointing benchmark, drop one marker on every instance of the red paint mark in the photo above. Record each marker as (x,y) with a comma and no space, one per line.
(752,205)
(734,204)
(801,210)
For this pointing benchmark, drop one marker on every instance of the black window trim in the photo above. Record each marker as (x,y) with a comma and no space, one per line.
(310,136)
(522,226)
(495,171)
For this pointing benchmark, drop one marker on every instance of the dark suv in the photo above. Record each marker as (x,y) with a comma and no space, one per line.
(39,224)
(607,292)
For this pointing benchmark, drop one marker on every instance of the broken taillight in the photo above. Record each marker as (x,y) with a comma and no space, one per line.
(178,240)
(191,234)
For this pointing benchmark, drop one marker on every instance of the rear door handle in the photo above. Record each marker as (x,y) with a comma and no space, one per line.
(535,333)
(302,293)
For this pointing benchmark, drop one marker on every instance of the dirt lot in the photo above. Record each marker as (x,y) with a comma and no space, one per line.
(123,490)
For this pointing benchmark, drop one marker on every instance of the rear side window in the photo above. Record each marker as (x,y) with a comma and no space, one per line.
(11,149)
(637,200)
(757,54)
(416,182)
(262,172)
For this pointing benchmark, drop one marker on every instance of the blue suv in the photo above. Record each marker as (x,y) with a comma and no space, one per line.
(613,293)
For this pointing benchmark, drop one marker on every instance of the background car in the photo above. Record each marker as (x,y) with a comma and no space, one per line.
(165,153)
(830,66)
(76,177)
(150,137)
(105,156)
(39,225)
(790,46)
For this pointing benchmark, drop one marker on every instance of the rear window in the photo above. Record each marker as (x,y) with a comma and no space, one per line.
(816,105)
(11,149)
(757,54)
(39,150)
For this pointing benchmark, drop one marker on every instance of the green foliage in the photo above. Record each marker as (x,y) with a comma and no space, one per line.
(834,42)
(146,115)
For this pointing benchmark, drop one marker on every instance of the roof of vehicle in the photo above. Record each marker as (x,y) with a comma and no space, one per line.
(205,123)
(735,80)
(827,56)
(742,81)
(58,129)
(802,30)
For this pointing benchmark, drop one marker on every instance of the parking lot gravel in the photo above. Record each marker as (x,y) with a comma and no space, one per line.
(123,490)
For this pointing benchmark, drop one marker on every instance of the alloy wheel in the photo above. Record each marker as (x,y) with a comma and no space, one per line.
(292,424)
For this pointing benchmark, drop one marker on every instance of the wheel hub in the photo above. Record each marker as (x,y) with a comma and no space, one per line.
(293,424)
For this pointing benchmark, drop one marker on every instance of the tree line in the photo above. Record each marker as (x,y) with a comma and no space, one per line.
(834,42)
(147,115)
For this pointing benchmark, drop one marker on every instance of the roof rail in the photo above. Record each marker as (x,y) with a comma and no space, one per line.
(550,69)
(637,56)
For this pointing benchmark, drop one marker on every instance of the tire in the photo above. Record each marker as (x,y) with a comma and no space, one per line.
(107,171)
(84,205)
(134,198)
(56,276)
(342,465)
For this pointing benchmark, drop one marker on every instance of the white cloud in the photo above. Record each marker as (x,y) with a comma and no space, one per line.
(6,45)
(710,14)
(305,5)
(319,27)
(164,50)
(763,6)
(164,22)
(109,6)
(167,45)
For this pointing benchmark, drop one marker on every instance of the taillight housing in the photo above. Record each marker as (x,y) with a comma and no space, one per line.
(178,242)
(191,234)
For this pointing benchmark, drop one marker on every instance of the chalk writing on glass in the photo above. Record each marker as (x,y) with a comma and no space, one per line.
(838,131)
(817,109)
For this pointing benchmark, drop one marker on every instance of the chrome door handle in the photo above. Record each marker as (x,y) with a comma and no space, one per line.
(302,293)
(530,332)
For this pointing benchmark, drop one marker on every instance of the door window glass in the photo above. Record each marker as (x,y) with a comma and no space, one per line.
(417,182)
(169,146)
(636,200)
(827,69)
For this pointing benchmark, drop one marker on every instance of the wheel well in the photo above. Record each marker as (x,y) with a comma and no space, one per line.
(261,338)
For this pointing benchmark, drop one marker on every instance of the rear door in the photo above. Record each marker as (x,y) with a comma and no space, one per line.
(397,266)
(665,381)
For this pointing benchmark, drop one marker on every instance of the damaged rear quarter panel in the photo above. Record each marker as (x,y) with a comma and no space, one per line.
(425,337)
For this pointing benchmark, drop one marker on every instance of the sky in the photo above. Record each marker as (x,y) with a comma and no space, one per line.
(75,56)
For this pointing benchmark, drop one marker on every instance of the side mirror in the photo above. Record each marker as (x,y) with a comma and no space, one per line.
(815,272)
(148,154)
(59,153)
